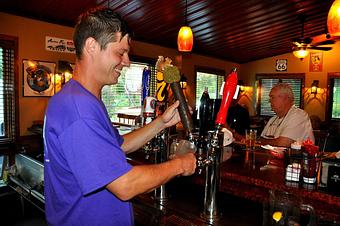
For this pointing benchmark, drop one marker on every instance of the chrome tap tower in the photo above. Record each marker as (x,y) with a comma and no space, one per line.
(210,148)
(160,152)
(211,163)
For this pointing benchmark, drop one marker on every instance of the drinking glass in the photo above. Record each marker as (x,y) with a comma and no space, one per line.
(309,168)
(285,209)
(250,139)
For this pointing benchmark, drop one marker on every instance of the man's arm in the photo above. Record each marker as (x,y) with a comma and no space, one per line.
(136,139)
(280,141)
(143,178)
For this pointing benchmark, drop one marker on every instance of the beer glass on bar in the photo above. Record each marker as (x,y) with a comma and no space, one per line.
(250,139)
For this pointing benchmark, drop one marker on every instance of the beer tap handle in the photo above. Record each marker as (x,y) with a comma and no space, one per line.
(172,76)
(228,94)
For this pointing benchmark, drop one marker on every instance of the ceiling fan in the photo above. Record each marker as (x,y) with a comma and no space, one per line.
(303,44)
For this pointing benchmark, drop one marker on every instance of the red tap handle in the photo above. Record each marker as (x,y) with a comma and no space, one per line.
(228,94)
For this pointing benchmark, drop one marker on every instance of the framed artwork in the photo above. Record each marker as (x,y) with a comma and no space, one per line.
(316,61)
(38,78)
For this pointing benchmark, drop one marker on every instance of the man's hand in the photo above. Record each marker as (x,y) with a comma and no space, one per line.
(188,163)
(280,141)
(171,116)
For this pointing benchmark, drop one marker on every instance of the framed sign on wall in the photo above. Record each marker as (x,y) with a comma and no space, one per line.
(38,78)
(281,65)
(316,61)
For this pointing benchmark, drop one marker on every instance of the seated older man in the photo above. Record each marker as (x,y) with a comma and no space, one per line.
(290,122)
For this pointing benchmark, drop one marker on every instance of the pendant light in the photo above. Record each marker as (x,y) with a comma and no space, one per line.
(185,38)
(333,20)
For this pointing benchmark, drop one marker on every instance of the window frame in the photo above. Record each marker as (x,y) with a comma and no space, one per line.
(11,42)
(209,70)
(329,97)
(260,76)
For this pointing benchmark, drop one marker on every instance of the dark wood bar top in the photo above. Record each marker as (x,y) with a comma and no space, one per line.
(252,174)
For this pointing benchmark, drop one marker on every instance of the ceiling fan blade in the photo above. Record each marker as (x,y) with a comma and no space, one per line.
(326,42)
(299,44)
(320,48)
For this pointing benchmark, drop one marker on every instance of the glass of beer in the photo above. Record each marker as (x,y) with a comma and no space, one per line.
(250,139)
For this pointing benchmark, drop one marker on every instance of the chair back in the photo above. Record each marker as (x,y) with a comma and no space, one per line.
(128,120)
(321,137)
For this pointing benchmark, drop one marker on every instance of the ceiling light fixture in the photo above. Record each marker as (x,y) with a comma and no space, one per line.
(185,38)
(333,20)
(301,52)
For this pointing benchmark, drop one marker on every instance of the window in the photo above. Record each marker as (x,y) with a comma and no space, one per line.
(334,96)
(266,82)
(211,79)
(8,96)
(125,96)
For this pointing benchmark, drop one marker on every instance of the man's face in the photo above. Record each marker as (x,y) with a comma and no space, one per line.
(110,61)
(278,101)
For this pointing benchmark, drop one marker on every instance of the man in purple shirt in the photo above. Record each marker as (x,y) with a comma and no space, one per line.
(87,178)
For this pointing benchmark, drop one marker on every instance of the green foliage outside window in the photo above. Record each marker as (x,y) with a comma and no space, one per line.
(336,99)
(210,81)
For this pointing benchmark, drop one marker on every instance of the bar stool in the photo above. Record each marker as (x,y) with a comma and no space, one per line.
(130,120)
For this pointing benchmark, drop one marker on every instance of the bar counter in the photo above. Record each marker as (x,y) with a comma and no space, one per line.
(252,174)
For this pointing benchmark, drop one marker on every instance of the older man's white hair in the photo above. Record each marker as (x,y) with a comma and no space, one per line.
(285,88)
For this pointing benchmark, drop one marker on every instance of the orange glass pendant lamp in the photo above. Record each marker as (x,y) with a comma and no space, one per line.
(185,39)
(333,20)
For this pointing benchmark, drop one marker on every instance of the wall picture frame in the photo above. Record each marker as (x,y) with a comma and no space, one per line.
(315,62)
(38,78)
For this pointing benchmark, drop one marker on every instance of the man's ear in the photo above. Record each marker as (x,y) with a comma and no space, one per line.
(91,46)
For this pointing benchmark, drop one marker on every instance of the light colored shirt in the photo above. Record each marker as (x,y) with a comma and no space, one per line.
(295,125)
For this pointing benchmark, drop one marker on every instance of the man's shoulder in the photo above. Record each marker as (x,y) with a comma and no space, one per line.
(75,99)
(298,111)
(297,114)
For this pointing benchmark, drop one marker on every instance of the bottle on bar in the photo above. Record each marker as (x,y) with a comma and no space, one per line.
(204,113)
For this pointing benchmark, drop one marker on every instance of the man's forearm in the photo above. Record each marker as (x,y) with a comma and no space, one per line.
(136,139)
(280,141)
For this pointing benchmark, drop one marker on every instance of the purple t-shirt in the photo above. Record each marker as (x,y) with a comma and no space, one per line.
(82,156)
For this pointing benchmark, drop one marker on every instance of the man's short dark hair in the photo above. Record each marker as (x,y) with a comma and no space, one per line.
(100,23)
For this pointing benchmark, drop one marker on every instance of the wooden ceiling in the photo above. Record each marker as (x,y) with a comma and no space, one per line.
(237,30)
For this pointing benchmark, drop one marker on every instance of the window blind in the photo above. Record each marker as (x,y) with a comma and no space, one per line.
(126,95)
(7,94)
(267,84)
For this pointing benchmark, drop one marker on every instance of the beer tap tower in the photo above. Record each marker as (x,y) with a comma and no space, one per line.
(213,150)
(157,148)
